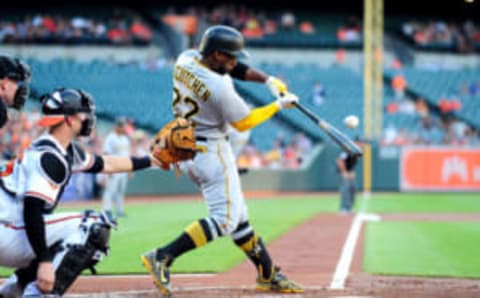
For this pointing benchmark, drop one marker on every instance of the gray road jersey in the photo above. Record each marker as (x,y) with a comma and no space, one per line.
(205,97)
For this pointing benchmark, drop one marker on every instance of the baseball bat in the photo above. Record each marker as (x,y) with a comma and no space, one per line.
(338,137)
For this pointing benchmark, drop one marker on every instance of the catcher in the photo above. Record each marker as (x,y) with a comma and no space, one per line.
(49,250)
(204,94)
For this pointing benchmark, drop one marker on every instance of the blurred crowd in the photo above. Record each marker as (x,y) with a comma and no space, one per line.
(256,24)
(431,131)
(251,23)
(21,129)
(461,36)
(51,29)
(351,31)
(283,154)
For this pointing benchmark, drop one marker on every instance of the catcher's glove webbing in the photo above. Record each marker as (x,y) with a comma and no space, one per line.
(175,142)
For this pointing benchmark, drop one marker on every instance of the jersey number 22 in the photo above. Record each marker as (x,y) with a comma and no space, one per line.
(178,98)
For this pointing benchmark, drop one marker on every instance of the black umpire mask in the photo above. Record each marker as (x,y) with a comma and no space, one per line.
(3,113)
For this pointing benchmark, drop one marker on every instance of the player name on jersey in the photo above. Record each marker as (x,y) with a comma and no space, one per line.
(191,82)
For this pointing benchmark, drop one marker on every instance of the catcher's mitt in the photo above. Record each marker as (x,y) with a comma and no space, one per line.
(174,142)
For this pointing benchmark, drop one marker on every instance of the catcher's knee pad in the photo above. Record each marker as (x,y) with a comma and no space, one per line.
(78,257)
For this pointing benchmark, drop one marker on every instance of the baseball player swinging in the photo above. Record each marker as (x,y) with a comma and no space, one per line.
(204,94)
(50,250)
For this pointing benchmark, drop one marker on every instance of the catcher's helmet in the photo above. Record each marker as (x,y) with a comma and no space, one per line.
(224,39)
(64,102)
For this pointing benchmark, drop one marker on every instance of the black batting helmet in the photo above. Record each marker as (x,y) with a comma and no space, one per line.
(224,39)
(64,102)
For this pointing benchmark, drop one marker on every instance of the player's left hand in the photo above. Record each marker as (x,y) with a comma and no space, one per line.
(277,87)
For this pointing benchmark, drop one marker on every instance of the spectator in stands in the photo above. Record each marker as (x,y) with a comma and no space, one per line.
(389,135)
(303,146)
(141,34)
(429,132)
(449,104)
(118,33)
(350,31)
(291,159)
(399,85)
(288,20)
(307,27)
(402,138)
(421,107)
(318,94)
(397,64)
(254,158)
(129,126)
(406,106)
(273,158)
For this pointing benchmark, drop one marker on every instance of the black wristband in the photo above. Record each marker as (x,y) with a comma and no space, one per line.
(139,163)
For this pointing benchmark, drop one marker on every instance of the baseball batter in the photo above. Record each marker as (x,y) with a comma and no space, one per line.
(50,250)
(204,93)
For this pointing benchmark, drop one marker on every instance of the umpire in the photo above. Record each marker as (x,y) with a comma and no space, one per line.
(14,78)
(346,164)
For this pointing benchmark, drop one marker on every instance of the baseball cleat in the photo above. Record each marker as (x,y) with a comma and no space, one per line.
(159,271)
(278,283)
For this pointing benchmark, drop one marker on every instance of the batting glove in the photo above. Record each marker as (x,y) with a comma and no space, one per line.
(287,100)
(277,87)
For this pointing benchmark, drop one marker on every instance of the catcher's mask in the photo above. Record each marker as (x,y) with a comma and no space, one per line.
(65,102)
(16,70)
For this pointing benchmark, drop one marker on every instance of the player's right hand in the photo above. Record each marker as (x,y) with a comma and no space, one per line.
(287,100)
(45,277)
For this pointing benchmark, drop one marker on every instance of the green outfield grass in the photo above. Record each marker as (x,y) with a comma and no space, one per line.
(155,224)
(423,203)
(391,247)
(423,249)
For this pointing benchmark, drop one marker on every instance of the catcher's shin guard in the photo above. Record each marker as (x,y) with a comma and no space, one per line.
(78,257)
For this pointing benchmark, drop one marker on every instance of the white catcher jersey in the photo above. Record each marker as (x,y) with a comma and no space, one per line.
(26,176)
(205,97)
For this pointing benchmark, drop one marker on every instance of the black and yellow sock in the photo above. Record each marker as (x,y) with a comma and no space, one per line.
(245,238)
(197,234)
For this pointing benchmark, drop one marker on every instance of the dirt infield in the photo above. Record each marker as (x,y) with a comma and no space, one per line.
(307,254)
